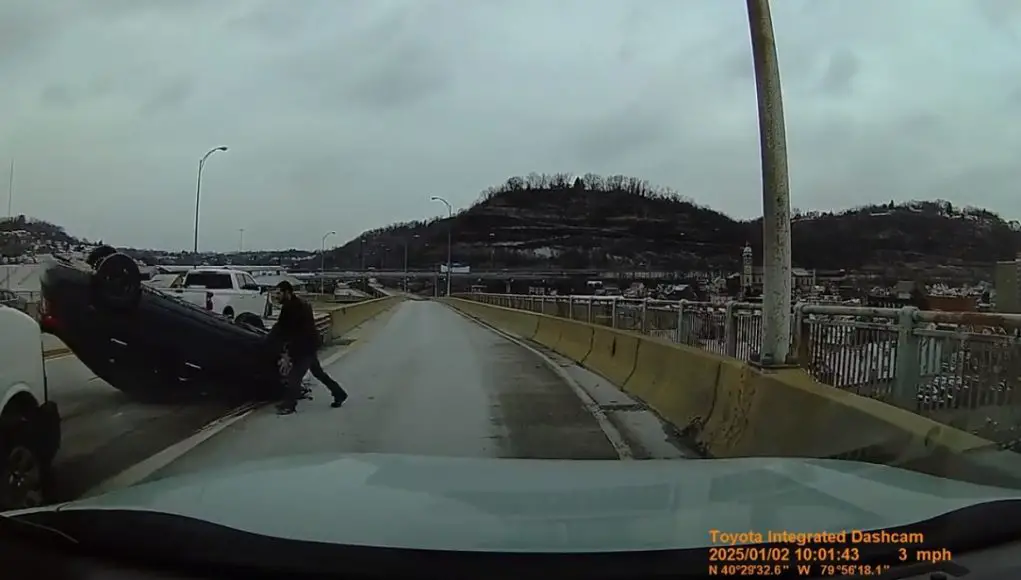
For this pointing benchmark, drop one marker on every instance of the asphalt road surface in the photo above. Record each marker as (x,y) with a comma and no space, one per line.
(105,432)
(425,380)
(422,380)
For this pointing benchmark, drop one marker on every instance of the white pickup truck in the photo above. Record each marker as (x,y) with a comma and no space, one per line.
(221,290)
(29,422)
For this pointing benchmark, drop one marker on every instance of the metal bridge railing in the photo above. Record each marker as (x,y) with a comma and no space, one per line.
(963,369)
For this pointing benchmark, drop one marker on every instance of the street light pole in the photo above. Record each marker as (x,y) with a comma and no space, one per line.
(10,191)
(241,239)
(198,195)
(450,226)
(10,216)
(492,252)
(406,243)
(322,267)
(776,205)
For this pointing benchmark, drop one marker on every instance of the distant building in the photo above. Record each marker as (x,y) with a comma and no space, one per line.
(752,277)
(1007,280)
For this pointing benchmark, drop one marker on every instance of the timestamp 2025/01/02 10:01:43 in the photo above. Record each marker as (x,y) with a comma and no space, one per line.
(823,553)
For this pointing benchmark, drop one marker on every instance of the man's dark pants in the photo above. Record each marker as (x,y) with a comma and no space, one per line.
(301,365)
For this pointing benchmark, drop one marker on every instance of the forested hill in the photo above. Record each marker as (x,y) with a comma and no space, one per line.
(617,221)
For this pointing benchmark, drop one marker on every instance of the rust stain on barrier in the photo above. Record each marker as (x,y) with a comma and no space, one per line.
(692,432)
(736,413)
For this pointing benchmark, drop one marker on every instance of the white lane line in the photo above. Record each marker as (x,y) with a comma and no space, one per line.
(335,357)
(613,435)
(147,467)
(154,463)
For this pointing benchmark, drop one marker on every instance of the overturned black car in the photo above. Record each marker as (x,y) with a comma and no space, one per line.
(152,345)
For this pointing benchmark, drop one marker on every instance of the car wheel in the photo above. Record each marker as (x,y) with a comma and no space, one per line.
(96,256)
(117,282)
(228,313)
(249,319)
(24,474)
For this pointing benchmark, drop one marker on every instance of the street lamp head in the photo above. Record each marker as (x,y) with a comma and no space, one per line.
(434,198)
(221,148)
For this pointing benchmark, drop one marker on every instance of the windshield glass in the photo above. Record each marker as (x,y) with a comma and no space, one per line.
(744,274)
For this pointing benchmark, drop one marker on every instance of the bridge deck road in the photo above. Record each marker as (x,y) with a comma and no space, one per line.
(426,381)
(105,432)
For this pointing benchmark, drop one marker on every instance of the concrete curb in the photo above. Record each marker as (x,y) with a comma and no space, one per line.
(732,410)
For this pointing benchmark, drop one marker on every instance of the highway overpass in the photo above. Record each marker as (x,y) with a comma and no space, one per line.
(508,274)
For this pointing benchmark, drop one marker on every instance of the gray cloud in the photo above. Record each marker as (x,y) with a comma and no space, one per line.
(348,114)
(840,73)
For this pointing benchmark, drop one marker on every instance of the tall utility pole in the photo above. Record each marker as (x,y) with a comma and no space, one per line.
(198,194)
(450,227)
(776,205)
(241,239)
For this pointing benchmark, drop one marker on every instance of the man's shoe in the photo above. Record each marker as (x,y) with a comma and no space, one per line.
(338,402)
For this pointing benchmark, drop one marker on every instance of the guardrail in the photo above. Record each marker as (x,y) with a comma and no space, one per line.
(324,324)
(962,369)
(29,295)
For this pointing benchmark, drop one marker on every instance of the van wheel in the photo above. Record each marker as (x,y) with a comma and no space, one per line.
(117,282)
(24,475)
(228,312)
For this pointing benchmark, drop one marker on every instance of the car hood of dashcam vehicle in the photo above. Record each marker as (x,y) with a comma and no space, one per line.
(511,505)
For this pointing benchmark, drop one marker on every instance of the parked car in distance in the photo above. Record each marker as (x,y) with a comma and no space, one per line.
(12,300)
(150,343)
(29,421)
(228,292)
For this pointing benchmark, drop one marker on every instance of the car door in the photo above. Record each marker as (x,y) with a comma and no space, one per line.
(254,299)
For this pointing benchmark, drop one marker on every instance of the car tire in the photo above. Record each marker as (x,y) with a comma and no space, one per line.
(249,319)
(117,282)
(24,471)
(98,254)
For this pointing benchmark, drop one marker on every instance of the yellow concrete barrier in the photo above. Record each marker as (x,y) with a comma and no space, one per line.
(522,324)
(548,332)
(516,322)
(678,381)
(613,354)
(729,408)
(575,340)
(348,316)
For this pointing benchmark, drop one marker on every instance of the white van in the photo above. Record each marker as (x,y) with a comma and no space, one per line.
(29,422)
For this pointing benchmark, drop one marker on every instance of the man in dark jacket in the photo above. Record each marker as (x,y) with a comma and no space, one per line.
(297,327)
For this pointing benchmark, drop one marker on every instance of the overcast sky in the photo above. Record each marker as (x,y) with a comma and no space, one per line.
(347,115)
